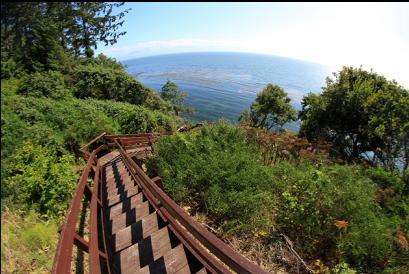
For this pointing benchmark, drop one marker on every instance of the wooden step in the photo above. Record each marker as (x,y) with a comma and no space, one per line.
(115,180)
(118,166)
(173,262)
(115,199)
(138,231)
(144,252)
(112,191)
(126,205)
(129,217)
(186,270)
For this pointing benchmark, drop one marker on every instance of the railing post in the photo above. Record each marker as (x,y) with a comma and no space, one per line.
(95,266)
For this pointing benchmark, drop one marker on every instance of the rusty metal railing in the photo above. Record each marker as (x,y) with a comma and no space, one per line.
(69,235)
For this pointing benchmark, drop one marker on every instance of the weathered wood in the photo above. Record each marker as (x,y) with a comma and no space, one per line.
(144,252)
(172,262)
(138,231)
(125,205)
(129,217)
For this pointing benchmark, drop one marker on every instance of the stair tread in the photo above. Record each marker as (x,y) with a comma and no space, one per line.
(117,180)
(113,200)
(136,232)
(130,217)
(112,191)
(172,262)
(127,204)
(144,252)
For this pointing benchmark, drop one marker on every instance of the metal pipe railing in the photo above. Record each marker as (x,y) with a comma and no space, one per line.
(69,236)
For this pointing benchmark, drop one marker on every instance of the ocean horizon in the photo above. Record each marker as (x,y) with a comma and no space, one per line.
(221,85)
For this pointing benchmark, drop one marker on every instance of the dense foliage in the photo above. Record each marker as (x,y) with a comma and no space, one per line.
(45,84)
(40,179)
(101,82)
(363,114)
(220,172)
(39,135)
(271,109)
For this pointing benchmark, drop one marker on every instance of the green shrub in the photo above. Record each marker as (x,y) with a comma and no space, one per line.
(11,69)
(135,119)
(44,84)
(56,128)
(219,172)
(9,86)
(107,83)
(41,180)
(103,61)
(386,179)
(329,211)
(59,123)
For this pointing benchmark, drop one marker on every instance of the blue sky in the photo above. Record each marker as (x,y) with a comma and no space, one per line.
(374,35)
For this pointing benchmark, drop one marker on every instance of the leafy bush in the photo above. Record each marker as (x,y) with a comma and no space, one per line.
(135,119)
(107,83)
(218,171)
(40,179)
(56,128)
(63,123)
(386,179)
(10,69)
(329,211)
(103,61)
(44,84)
(314,200)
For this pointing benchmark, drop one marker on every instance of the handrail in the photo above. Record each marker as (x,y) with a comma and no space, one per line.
(83,149)
(69,236)
(174,213)
(115,136)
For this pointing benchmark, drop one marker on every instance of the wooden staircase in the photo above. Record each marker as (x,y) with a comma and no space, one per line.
(139,238)
(134,226)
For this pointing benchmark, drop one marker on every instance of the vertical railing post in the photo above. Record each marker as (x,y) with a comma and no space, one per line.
(95,266)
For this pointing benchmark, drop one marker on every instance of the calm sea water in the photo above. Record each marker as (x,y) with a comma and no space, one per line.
(222,85)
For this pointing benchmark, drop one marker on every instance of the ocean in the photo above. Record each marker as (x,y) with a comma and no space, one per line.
(221,85)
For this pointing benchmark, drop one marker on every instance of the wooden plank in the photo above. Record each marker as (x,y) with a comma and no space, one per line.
(130,217)
(184,270)
(128,186)
(113,200)
(201,271)
(171,263)
(144,252)
(125,205)
(136,232)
